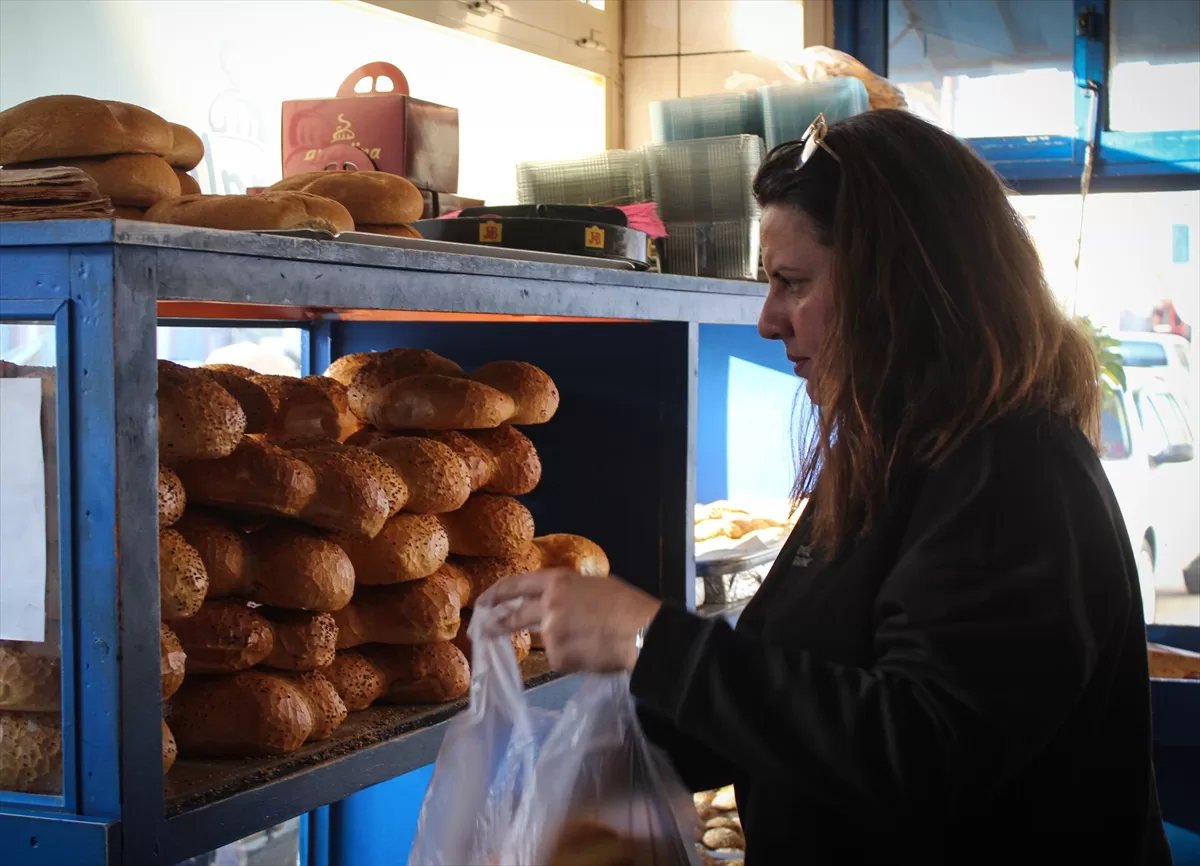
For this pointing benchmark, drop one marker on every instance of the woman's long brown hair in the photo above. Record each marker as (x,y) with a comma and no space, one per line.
(942,319)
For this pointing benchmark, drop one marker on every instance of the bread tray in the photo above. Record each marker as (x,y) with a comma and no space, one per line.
(716,563)
(430,246)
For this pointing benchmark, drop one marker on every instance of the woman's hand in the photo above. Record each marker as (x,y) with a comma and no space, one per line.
(587,623)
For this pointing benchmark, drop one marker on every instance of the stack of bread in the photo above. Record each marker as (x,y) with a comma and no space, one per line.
(141,162)
(30,672)
(719,827)
(136,157)
(378,202)
(423,415)
(335,529)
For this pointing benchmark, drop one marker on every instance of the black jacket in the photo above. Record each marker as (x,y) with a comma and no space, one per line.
(967,685)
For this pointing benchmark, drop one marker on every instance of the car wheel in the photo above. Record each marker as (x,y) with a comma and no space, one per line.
(1191,577)
(1145,569)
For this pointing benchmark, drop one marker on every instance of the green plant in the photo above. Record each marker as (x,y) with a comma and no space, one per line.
(1112,367)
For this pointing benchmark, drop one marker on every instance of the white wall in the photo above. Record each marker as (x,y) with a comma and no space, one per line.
(224,66)
(679,48)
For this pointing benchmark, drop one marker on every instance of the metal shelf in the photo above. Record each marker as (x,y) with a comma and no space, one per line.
(622,345)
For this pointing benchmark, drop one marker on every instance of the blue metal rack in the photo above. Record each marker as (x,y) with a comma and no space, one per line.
(1125,161)
(619,459)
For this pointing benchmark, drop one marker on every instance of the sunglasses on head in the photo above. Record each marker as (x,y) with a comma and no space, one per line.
(813,138)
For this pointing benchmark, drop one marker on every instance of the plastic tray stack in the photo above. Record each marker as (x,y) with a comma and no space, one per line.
(789,109)
(704,195)
(616,177)
(714,116)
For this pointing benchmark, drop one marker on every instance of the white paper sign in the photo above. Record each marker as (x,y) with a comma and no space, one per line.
(22,512)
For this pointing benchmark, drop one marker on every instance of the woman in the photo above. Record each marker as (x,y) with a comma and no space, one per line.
(947,663)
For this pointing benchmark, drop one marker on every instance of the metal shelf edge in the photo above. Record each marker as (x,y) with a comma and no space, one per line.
(210,826)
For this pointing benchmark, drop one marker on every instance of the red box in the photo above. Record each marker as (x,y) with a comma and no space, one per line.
(385,130)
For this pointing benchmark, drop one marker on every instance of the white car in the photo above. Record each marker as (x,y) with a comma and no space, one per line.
(1147,356)
(1148,454)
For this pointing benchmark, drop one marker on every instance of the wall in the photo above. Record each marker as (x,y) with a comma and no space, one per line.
(678,48)
(223,68)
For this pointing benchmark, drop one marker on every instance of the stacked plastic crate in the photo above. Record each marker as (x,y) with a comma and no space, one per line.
(613,178)
(702,164)
(699,170)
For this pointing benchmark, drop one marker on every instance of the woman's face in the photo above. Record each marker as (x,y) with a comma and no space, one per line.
(799,300)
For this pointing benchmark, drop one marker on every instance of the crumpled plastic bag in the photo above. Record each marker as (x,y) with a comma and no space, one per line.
(519,786)
(818,63)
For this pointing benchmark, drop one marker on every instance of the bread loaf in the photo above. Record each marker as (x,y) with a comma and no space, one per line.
(182,579)
(516,467)
(394,487)
(436,402)
(188,185)
(520,640)
(365,373)
(257,478)
(584,842)
(223,637)
(430,674)
(256,403)
(349,497)
(282,565)
(129,179)
(247,714)
(372,197)
(62,127)
(366,436)
(480,463)
(187,148)
(489,525)
(129,213)
(315,406)
(575,552)
(325,705)
(30,752)
(174,661)
(485,571)
(300,569)
(1170,663)
(304,641)
(417,612)
(197,418)
(436,478)
(533,392)
(268,211)
(169,750)
(358,682)
(224,549)
(409,547)
(30,678)
(171,498)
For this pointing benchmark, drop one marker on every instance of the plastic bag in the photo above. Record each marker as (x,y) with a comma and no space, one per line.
(818,63)
(518,786)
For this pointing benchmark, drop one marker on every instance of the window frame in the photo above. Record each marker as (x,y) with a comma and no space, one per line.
(1124,161)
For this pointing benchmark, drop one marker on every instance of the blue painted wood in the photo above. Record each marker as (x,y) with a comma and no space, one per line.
(44,840)
(56,233)
(320,346)
(93,524)
(315,838)
(378,825)
(33,272)
(66,554)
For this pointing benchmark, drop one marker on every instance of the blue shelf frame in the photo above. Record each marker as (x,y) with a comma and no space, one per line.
(101,284)
(1049,164)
